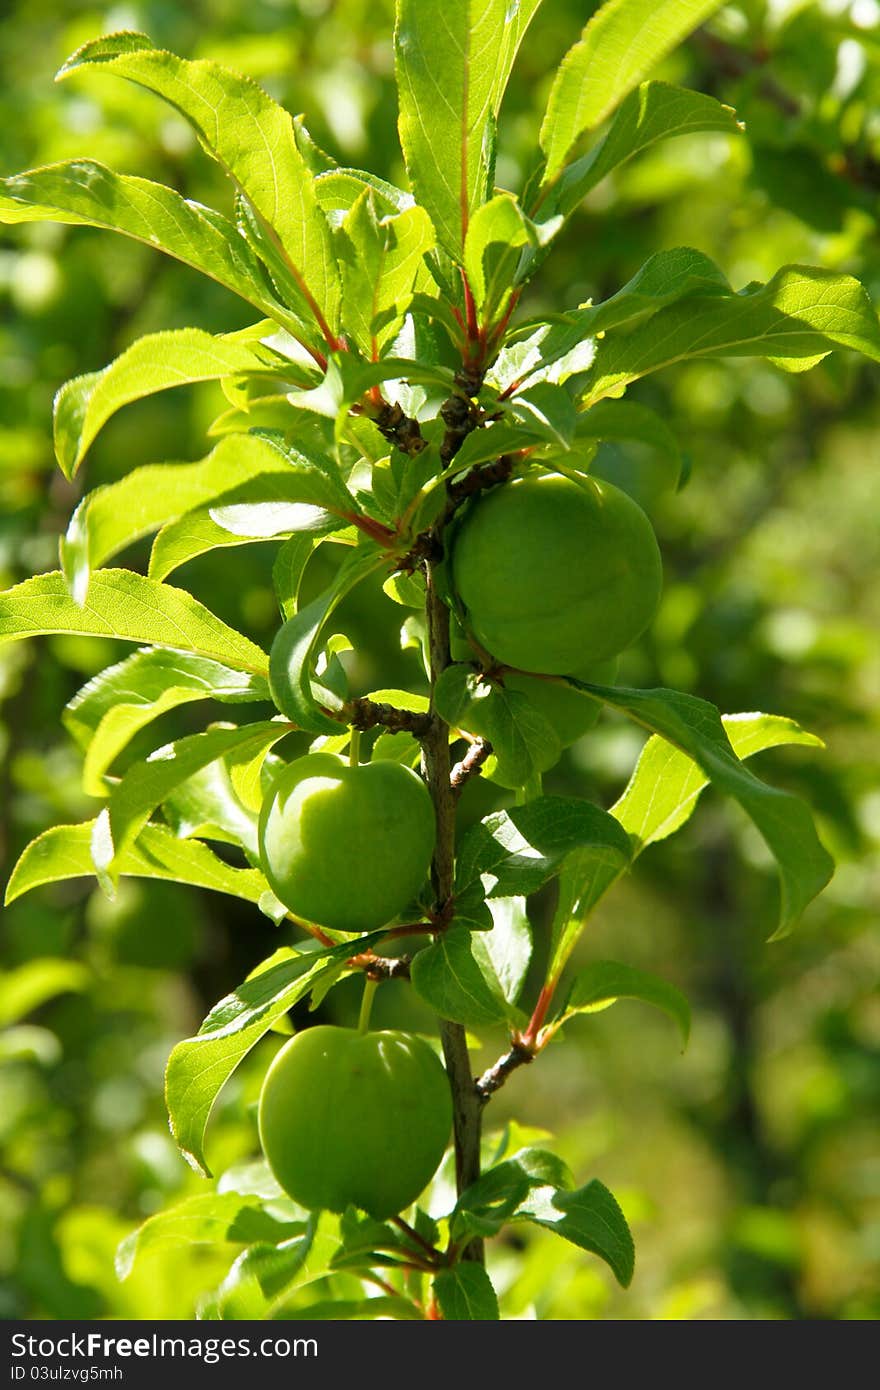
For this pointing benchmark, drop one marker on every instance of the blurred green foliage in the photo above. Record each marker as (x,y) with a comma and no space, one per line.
(750,1166)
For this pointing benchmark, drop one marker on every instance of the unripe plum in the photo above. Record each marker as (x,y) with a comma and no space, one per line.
(355,1118)
(555,575)
(346,847)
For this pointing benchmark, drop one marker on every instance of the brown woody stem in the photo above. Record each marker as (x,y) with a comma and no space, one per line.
(367,714)
(436,762)
(495,1076)
(470,764)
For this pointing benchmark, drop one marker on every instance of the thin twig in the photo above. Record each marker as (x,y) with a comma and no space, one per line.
(470,764)
(495,1076)
(367,714)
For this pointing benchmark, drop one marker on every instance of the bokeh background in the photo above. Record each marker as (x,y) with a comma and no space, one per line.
(749,1167)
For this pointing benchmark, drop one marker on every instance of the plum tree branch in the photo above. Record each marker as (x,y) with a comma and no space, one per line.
(436,763)
(494,1077)
(470,765)
(368,714)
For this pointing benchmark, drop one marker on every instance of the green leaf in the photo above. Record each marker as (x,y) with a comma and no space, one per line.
(29,986)
(798,317)
(82,192)
(65,851)
(154,363)
(196,533)
(146,785)
(112,517)
(661,796)
(125,697)
(125,605)
(504,953)
(494,1199)
(465,1294)
(514,852)
(449,978)
(253,139)
(652,112)
(211,1218)
(295,649)
(564,344)
(262,1273)
(590,1218)
(785,823)
(622,42)
(547,412)
(663,791)
(603,982)
(288,570)
(496,235)
(630,420)
(524,743)
(199,1067)
(206,806)
(337,191)
(380,257)
(453,61)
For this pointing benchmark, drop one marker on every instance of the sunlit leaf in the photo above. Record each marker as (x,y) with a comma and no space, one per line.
(125,605)
(623,41)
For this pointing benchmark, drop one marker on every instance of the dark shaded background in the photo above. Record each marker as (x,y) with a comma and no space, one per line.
(750,1166)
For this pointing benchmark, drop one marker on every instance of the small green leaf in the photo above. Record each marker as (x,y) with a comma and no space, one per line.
(496,1196)
(211,1218)
(515,852)
(453,61)
(295,649)
(380,258)
(590,1218)
(253,140)
(124,698)
(154,363)
(288,570)
(337,191)
(82,192)
(652,112)
(524,743)
(605,981)
(266,1271)
(465,1294)
(546,411)
(504,952)
(661,796)
(694,726)
(497,233)
(146,785)
(619,45)
(199,1067)
(65,851)
(125,605)
(797,318)
(448,977)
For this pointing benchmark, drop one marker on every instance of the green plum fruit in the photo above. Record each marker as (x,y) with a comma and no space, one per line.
(346,847)
(555,575)
(349,1118)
